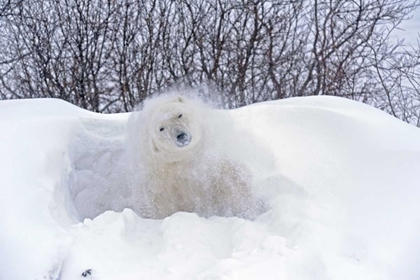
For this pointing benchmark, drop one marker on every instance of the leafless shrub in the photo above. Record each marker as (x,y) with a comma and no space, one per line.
(107,56)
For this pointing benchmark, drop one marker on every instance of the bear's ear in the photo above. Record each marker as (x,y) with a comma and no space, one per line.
(180,99)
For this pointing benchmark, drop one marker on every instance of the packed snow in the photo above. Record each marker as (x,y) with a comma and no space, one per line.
(340,179)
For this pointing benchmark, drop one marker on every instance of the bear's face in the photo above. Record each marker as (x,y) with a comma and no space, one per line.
(174,129)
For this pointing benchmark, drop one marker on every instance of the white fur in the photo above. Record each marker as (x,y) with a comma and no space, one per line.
(195,178)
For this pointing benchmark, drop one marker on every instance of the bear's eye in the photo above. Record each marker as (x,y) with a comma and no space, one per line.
(180,116)
(161,129)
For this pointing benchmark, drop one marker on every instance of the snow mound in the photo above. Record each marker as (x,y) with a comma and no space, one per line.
(341,180)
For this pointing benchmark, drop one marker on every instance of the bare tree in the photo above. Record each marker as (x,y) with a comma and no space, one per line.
(107,56)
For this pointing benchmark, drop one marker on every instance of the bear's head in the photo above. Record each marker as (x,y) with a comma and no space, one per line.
(175,128)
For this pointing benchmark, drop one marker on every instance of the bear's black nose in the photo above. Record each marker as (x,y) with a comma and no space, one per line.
(183,139)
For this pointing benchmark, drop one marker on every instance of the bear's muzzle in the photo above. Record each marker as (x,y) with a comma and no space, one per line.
(182,139)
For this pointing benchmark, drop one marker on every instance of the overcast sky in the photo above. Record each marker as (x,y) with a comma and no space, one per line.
(411,29)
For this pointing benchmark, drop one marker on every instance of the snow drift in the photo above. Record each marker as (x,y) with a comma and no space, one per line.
(341,179)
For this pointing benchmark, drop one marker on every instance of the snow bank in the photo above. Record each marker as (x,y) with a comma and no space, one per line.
(341,179)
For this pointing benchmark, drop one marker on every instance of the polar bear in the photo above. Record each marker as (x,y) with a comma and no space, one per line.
(178,167)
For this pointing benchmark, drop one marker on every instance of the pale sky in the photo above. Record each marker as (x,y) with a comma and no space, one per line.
(411,29)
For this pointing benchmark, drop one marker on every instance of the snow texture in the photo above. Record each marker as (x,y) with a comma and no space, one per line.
(341,181)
